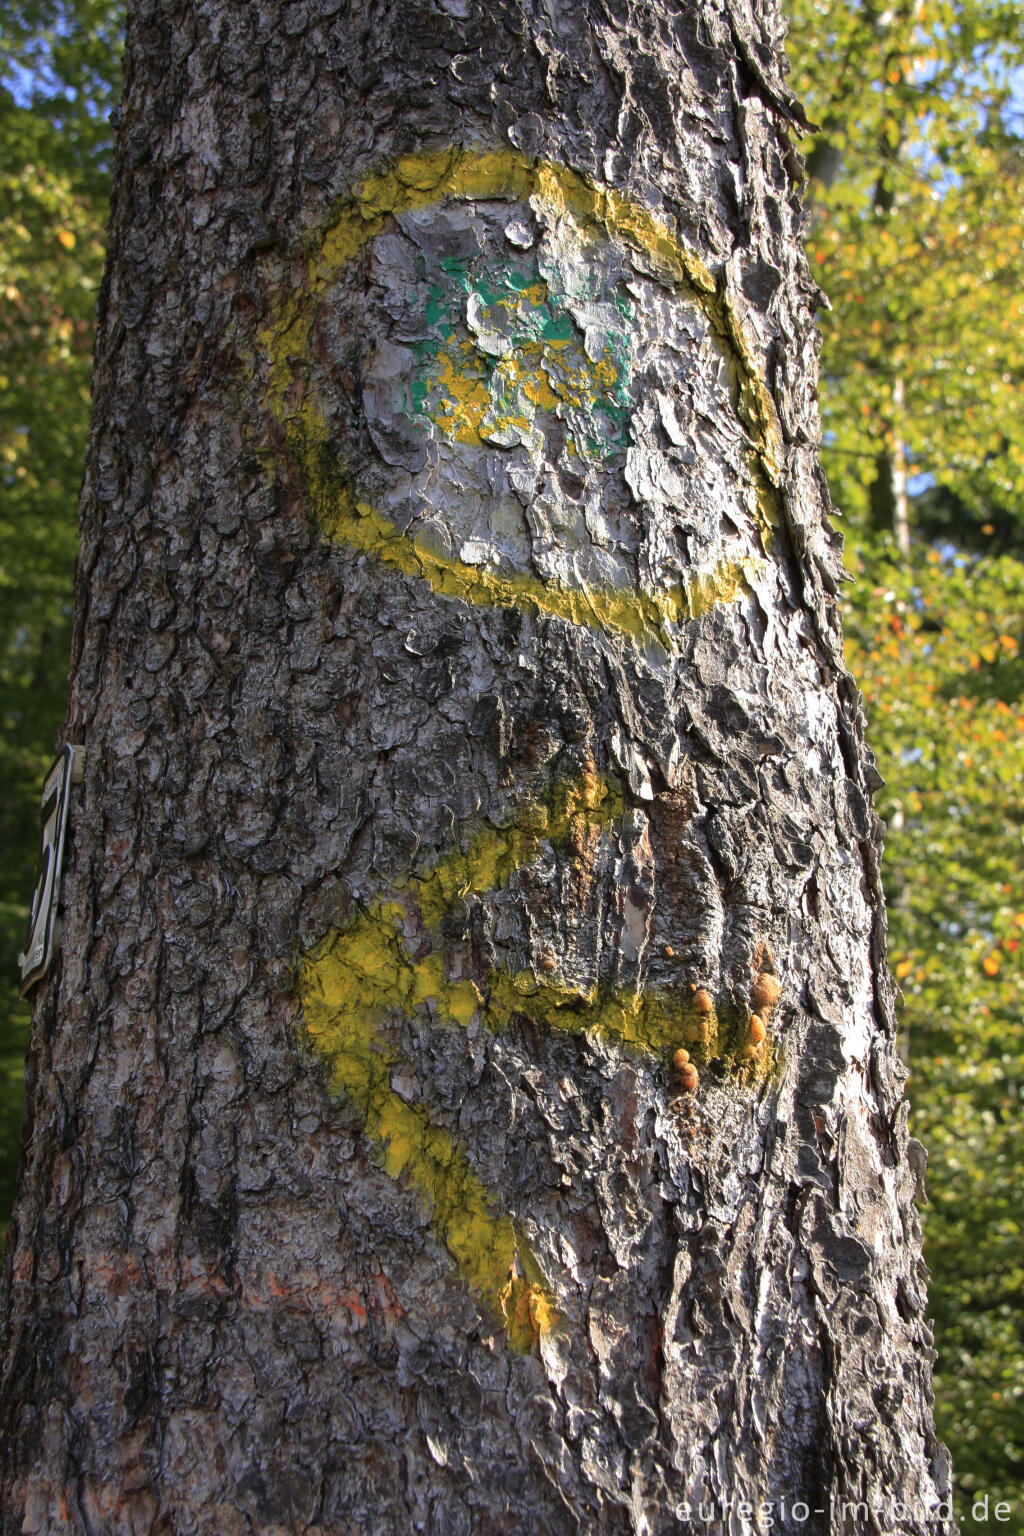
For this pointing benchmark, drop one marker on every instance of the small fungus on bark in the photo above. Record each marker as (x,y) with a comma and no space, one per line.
(765,991)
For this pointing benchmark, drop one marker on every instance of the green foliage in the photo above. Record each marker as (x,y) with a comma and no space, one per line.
(939,651)
(53,189)
(61,60)
(917,189)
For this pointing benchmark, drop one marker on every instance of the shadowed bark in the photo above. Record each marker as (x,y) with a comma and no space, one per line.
(465,1099)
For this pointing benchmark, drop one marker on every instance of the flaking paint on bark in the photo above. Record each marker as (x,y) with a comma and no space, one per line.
(392,681)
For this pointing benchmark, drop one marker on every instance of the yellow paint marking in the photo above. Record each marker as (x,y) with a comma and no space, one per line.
(417,181)
(357,979)
(351,984)
(638,615)
(471,396)
(347,991)
(420,180)
(361,976)
(463,414)
(466,399)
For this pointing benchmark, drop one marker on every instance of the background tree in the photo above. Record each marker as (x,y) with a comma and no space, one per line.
(457,658)
(917,191)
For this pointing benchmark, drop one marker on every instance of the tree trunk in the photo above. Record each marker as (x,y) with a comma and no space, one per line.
(890,508)
(465,1099)
(898,472)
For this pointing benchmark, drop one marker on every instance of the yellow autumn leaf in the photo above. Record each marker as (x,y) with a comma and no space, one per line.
(66,239)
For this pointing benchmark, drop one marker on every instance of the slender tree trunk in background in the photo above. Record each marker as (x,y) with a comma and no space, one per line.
(457,660)
(890,510)
(898,473)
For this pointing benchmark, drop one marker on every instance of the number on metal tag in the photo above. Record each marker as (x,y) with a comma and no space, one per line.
(44,924)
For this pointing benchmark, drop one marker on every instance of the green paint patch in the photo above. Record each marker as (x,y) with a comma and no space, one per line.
(505,353)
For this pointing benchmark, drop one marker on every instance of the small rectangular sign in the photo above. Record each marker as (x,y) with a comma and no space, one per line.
(44,923)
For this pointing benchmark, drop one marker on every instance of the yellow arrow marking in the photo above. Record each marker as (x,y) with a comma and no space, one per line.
(353,981)
(359,977)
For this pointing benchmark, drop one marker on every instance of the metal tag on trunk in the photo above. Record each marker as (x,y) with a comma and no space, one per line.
(44,923)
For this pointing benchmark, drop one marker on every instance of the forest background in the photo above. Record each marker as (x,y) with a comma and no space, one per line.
(915,190)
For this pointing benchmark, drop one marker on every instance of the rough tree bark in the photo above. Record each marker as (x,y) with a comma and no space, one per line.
(458,664)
